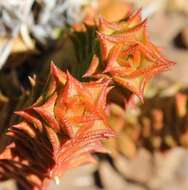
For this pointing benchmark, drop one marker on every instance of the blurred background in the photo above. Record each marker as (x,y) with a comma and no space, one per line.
(33,32)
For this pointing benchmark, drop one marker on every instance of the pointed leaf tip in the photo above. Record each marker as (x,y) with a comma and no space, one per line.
(58,74)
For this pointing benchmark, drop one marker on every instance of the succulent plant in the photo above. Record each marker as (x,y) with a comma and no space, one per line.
(58,132)
(67,123)
(159,124)
(163,121)
(127,55)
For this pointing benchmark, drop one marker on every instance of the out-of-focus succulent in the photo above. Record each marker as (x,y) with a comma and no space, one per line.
(32,20)
(56,14)
(157,125)
(126,125)
(163,121)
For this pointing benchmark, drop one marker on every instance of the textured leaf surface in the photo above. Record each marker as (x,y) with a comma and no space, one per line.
(58,132)
(128,56)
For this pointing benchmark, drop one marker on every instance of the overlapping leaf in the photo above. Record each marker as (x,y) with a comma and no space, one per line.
(128,56)
(59,131)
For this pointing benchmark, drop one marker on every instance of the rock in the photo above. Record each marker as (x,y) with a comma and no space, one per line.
(110,178)
(79,178)
(8,185)
(138,168)
(170,170)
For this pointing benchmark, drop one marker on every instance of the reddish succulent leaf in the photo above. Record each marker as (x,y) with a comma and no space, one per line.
(113,56)
(47,112)
(93,66)
(30,117)
(53,138)
(59,75)
(135,19)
